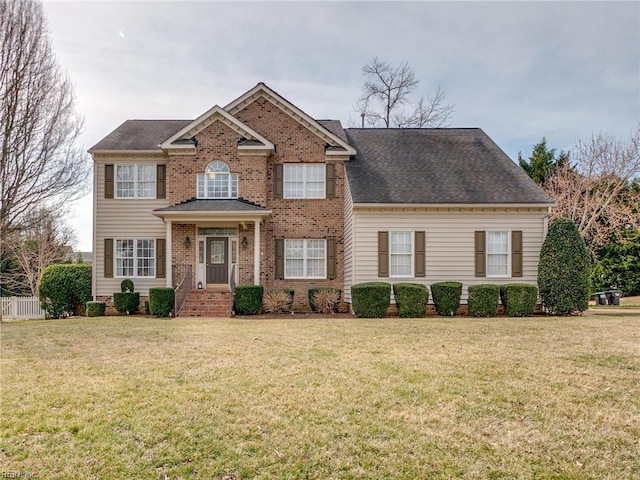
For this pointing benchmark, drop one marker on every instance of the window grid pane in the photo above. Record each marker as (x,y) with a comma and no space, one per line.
(135,262)
(305,258)
(304,181)
(497,254)
(135,181)
(401,254)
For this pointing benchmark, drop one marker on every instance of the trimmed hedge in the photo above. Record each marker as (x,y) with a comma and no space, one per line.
(312,292)
(564,271)
(519,299)
(411,299)
(64,289)
(446,297)
(483,300)
(96,309)
(126,302)
(371,300)
(161,301)
(248,299)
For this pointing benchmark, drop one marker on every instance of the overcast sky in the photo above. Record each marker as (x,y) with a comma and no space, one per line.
(518,70)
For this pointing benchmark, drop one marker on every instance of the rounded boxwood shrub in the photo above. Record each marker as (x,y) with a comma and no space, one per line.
(161,301)
(483,300)
(248,299)
(65,288)
(411,299)
(126,302)
(96,309)
(564,270)
(312,293)
(519,299)
(371,300)
(446,297)
(126,285)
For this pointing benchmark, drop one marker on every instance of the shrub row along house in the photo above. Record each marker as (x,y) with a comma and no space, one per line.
(259,192)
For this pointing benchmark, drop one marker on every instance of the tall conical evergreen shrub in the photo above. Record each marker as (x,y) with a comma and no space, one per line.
(564,269)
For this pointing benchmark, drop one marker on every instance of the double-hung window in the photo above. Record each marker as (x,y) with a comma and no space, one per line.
(136,181)
(304,180)
(217,182)
(498,254)
(135,258)
(401,254)
(305,258)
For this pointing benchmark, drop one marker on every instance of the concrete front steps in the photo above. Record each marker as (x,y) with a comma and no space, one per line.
(207,303)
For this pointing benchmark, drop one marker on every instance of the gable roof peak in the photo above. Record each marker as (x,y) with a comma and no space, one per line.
(215,113)
(262,90)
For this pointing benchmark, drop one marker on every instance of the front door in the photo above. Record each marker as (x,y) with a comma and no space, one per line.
(217,261)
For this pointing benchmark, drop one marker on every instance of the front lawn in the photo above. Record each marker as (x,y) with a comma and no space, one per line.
(111,398)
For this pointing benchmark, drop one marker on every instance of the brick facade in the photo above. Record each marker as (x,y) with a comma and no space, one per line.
(290,218)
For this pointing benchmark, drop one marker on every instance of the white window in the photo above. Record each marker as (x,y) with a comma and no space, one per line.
(304,180)
(305,259)
(498,254)
(217,182)
(135,181)
(135,258)
(401,254)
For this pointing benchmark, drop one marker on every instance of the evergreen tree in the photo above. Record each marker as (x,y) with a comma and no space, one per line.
(564,270)
(542,162)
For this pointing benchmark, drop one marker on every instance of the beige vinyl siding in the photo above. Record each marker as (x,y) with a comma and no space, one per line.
(348,241)
(124,219)
(449,239)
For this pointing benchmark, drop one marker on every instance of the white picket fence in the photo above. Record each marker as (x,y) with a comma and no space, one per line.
(21,307)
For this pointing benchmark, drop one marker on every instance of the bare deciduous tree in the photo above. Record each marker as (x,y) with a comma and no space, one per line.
(385,98)
(40,164)
(595,192)
(46,242)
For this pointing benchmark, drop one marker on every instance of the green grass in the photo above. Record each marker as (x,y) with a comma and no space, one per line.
(322,398)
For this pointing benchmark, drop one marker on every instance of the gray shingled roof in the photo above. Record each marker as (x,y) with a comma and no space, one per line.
(335,127)
(140,135)
(149,134)
(211,205)
(435,166)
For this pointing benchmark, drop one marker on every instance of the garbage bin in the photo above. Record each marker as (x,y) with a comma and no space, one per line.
(613,297)
(601,298)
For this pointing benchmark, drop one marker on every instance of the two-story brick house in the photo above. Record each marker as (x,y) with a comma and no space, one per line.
(259,192)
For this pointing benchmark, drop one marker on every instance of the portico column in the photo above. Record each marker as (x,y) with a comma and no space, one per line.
(169,254)
(256,253)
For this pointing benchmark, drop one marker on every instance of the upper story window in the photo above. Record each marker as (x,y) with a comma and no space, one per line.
(217,182)
(304,180)
(498,254)
(135,181)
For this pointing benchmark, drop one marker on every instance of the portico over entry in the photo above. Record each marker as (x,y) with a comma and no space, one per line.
(213,243)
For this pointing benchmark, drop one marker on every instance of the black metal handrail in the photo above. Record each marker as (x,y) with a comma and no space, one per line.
(183,288)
